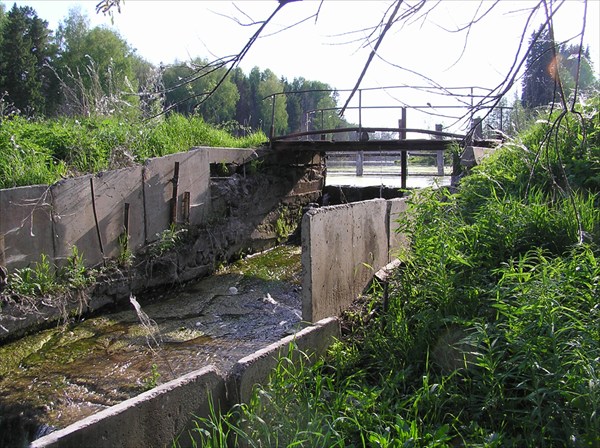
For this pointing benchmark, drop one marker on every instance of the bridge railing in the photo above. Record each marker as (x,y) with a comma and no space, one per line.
(468,102)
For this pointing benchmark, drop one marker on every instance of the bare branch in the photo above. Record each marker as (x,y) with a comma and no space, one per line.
(232,61)
(373,53)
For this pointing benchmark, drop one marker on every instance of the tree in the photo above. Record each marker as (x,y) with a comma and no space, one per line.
(96,68)
(540,71)
(271,117)
(245,106)
(400,14)
(187,85)
(575,63)
(2,20)
(24,63)
(311,105)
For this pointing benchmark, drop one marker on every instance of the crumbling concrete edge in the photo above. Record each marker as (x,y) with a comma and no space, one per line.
(157,417)
(309,343)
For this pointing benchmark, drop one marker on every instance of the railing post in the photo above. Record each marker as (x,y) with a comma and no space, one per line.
(440,152)
(360,156)
(403,153)
(359,163)
(359,112)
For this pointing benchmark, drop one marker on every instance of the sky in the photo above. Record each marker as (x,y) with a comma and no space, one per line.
(326,51)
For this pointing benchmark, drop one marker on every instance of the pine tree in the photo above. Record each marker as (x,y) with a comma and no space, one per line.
(25,53)
(538,82)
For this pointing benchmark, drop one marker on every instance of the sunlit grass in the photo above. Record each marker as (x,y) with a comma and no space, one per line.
(43,152)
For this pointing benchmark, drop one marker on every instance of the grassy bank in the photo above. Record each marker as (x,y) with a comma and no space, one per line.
(492,333)
(42,152)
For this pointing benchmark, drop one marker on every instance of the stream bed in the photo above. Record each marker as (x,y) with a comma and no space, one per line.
(54,378)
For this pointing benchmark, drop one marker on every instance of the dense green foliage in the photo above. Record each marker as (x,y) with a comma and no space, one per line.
(26,49)
(491,334)
(42,152)
(93,72)
(546,61)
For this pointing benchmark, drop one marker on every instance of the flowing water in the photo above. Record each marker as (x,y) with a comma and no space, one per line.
(54,378)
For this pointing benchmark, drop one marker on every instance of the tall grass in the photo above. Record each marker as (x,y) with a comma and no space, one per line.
(42,152)
(492,333)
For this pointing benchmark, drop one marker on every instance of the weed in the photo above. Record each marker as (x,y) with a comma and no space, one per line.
(125,257)
(75,275)
(168,239)
(151,381)
(37,281)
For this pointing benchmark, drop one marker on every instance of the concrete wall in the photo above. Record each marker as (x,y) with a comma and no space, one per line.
(194,178)
(237,156)
(342,247)
(25,225)
(52,220)
(75,219)
(155,418)
(152,419)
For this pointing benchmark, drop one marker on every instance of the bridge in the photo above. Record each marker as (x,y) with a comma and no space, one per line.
(364,139)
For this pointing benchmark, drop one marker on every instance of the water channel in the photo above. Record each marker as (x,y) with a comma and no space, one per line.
(54,378)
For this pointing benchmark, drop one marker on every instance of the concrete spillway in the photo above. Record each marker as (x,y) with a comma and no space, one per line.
(55,378)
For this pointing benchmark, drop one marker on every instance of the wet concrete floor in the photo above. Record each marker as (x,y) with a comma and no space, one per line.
(54,378)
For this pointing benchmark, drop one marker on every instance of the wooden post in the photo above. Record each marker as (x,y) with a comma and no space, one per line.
(186,207)
(440,152)
(360,158)
(96,217)
(126,226)
(126,219)
(175,181)
(403,154)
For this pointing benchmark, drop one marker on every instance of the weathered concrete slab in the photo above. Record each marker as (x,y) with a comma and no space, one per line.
(473,155)
(342,247)
(25,226)
(74,223)
(152,419)
(398,242)
(194,177)
(228,155)
(112,191)
(255,368)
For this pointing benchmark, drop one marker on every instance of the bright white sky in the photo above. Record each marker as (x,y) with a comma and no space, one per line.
(165,31)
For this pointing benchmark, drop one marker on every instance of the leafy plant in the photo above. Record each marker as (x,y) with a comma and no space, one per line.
(125,257)
(168,239)
(74,274)
(37,281)
(151,381)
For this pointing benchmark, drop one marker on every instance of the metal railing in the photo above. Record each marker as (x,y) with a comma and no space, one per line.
(471,102)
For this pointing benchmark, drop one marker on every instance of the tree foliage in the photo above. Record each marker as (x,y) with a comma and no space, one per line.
(548,64)
(95,66)
(25,53)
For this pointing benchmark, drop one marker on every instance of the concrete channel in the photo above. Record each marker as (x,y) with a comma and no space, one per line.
(356,250)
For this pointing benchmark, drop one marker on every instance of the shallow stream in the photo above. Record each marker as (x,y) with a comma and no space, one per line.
(54,378)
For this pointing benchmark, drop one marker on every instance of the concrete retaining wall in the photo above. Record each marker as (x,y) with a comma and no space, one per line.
(342,247)
(155,418)
(51,220)
(159,179)
(25,225)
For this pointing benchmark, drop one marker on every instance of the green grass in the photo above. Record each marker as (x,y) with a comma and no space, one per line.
(492,333)
(42,152)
